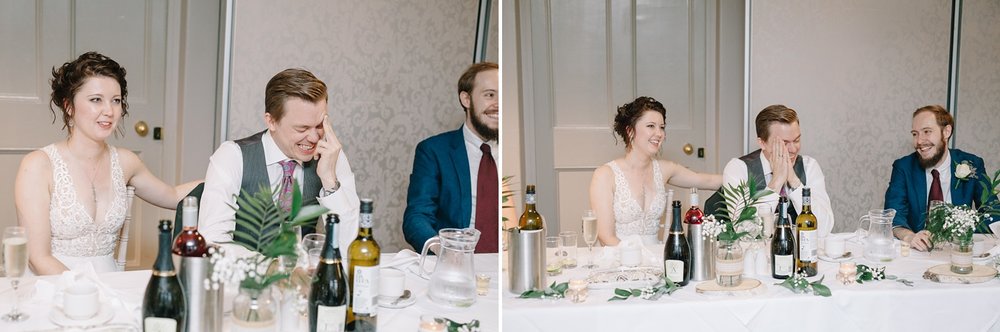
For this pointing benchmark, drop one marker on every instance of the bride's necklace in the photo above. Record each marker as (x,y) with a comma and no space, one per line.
(97,161)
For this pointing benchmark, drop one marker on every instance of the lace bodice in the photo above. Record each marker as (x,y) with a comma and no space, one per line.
(74,232)
(630,219)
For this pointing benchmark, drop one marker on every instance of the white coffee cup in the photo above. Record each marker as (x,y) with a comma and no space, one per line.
(978,247)
(835,245)
(391,283)
(631,255)
(80,301)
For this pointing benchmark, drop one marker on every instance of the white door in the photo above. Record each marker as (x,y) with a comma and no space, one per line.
(586,58)
(38,35)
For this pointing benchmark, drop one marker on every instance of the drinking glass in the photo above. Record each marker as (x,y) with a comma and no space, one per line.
(313,245)
(568,248)
(553,255)
(15,254)
(590,235)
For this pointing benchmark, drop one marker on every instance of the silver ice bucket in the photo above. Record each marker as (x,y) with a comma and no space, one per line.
(204,306)
(526,270)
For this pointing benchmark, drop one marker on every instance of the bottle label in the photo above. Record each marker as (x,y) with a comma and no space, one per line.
(330,319)
(365,289)
(365,221)
(807,246)
(159,324)
(674,270)
(529,199)
(783,265)
(806,200)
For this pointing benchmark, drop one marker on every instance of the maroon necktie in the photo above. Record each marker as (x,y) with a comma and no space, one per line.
(487,217)
(936,194)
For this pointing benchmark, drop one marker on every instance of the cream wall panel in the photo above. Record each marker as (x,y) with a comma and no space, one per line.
(510,106)
(572,202)
(20,60)
(579,62)
(391,68)
(855,71)
(977,128)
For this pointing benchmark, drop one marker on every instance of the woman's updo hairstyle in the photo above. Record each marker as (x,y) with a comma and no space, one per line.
(68,78)
(630,113)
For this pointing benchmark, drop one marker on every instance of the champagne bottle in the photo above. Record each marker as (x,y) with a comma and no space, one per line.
(190,243)
(677,252)
(700,262)
(362,261)
(783,244)
(530,219)
(329,293)
(163,306)
(806,222)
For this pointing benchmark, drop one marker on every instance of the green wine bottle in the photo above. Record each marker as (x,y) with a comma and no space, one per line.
(164,305)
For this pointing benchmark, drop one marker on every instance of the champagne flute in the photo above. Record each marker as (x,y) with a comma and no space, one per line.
(15,254)
(590,235)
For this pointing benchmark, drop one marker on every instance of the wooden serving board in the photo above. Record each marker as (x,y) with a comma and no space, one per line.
(942,273)
(747,287)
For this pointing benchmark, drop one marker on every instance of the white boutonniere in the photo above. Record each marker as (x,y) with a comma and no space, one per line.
(964,171)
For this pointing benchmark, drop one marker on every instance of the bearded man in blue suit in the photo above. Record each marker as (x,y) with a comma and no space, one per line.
(932,172)
(454,183)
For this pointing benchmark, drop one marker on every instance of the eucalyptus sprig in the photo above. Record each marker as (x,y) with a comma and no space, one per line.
(867,273)
(799,284)
(652,293)
(554,291)
(472,326)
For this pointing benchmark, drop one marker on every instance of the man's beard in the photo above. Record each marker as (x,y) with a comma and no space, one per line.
(488,133)
(933,160)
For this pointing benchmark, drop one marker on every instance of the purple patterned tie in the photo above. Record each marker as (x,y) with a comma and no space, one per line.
(285,194)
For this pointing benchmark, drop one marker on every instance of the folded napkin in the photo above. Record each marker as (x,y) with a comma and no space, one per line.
(408,260)
(47,291)
(610,256)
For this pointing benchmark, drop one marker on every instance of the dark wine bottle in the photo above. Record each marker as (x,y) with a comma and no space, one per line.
(362,261)
(329,293)
(783,244)
(190,243)
(530,219)
(807,236)
(163,306)
(677,252)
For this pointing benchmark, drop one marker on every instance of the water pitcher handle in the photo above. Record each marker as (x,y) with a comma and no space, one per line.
(862,232)
(423,253)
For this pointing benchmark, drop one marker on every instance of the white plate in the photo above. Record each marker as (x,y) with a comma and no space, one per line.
(624,277)
(103,316)
(385,302)
(836,260)
(989,257)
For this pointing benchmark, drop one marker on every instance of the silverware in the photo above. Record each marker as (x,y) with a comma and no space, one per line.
(406,295)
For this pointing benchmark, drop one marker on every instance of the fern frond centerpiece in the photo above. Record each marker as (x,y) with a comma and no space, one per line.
(736,214)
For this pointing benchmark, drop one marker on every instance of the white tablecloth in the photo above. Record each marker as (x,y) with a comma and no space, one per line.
(874,306)
(130,287)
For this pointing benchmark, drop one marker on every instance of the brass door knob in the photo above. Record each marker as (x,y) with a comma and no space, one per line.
(688,149)
(142,129)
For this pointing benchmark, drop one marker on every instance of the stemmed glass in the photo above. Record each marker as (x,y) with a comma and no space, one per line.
(15,254)
(313,245)
(590,235)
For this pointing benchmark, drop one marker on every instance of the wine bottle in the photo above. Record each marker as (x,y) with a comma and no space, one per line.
(677,252)
(362,261)
(190,243)
(806,223)
(530,219)
(164,305)
(329,293)
(783,244)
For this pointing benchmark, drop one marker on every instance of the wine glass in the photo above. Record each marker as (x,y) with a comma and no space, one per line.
(590,235)
(15,254)
(313,245)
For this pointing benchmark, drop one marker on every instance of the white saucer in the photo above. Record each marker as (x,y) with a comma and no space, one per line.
(835,260)
(104,314)
(989,257)
(385,301)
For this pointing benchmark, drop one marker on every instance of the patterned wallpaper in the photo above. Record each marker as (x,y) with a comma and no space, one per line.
(978,119)
(854,70)
(391,67)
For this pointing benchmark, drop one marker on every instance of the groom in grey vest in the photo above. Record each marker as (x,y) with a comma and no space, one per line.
(778,166)
(298,144)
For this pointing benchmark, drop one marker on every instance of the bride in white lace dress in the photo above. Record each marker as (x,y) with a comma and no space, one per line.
(628,194)
(70,195)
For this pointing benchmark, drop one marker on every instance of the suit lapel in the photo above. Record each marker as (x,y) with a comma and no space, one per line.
(460,160)
(960,193)
(919,183)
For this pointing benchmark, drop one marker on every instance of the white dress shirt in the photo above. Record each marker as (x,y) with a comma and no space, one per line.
(944,170)
(225,175)
(736,171)
(472,144)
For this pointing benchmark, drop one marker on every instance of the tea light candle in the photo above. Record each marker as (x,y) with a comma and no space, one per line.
(482,284)
(848,273)
(431,323)
(577,291)
(904,248)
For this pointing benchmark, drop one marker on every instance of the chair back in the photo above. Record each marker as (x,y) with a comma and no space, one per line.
(123,237)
